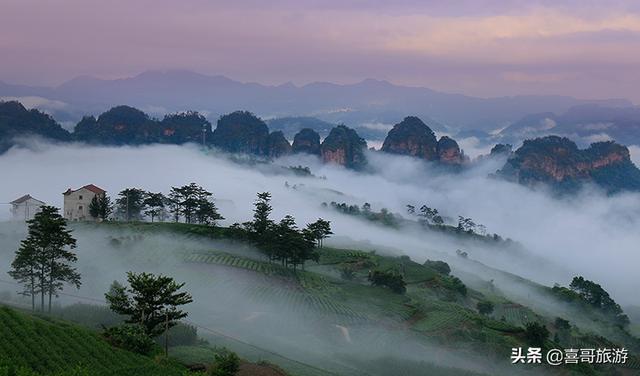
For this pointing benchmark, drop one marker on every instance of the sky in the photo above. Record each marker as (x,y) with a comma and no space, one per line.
(586,49)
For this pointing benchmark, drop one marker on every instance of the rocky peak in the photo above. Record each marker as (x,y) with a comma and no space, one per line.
(343,146)
(412,137)
(277,145)
(306,141)
(501,150)
(449,152)
(241,132)
(558,161)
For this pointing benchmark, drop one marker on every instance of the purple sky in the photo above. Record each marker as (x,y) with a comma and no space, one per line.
(483,48)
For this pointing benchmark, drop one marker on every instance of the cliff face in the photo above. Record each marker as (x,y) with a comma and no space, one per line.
(558,161)
(241,132)
(306,141)
(277,145)
(412,137)
(343,146)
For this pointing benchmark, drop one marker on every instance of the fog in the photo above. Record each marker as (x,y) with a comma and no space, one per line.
(588,234)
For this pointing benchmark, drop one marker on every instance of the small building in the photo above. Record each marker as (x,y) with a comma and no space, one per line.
(25,208)
(76,202)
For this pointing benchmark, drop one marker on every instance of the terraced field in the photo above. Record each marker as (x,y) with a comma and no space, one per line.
(301,301)
(226,259)
(52,347)
(515,314)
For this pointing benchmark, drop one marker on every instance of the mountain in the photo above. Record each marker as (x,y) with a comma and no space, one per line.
(293,124)
(414,138)
(344,147)
(366,102)
(125,125)
(559,163)
(306,141)
(16,120)
(588,122)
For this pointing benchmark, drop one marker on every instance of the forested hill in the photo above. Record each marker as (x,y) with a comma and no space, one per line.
(551,160)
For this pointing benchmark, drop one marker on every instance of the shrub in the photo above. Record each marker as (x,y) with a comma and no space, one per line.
(485,307)
(536,334)
(227,363)
(130,337)
(347,272)
(393,281)
(439,266)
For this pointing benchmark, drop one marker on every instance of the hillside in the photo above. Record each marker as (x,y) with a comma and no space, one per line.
(438,307)
(53,347)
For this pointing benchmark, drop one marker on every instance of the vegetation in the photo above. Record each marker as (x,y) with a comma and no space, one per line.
(485,307)
(151,301)
(227,363)
(393,281)
(44,261)
(31,346)
(592,295)
(536,334)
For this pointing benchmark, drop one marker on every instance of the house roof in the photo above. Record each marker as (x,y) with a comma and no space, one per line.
(23,199)
(90,187)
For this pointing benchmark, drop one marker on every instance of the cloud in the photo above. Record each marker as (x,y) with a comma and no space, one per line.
(634,150)
(590,234)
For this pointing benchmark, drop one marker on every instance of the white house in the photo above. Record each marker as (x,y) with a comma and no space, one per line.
(25,207)
(76,202)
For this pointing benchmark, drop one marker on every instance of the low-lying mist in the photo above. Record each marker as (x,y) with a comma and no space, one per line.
(589,234)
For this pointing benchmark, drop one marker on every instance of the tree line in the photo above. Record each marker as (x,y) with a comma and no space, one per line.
(190,203)
(282,241)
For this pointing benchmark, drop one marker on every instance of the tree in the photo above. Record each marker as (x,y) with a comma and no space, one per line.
(320,230)
(24,269)
(261,212)
(440,266)
(594,295)
(393,281)
(44,261)
(207,213)
(154,204)
(187,199)
(227,363)
(105,207)
(94,207)
(485,307)
(151,301)
(100,207)
(130,203)
(536,334)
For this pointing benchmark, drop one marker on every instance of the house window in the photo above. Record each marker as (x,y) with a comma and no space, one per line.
(80,208)
(80,197)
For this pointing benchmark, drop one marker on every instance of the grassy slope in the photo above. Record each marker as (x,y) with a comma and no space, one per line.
(432,307)
(48,346)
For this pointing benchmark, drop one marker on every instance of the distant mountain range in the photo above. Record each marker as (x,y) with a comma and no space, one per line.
(550,161)
(585,123)
(371,104)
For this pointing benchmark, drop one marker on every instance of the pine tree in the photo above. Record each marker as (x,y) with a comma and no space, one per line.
(151,301)
(44,261)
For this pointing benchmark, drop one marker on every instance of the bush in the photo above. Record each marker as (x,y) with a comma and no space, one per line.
(439,266)
(485,307)
(227,363)
(393,281)
(347,272)
(536,334)
(130,337)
